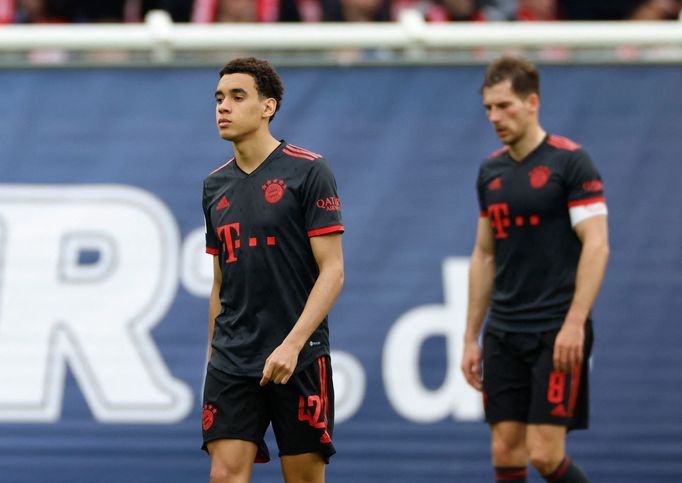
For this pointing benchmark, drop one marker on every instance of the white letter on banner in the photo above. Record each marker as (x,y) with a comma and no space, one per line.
(197,266)
(402,378)
(85,273)
(349,385)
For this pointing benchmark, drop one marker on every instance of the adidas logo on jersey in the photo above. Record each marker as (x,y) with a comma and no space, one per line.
(559,410)
(223,204)
(495,184)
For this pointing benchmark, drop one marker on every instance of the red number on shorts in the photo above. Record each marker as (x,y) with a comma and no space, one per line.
(555,391)
(305,413)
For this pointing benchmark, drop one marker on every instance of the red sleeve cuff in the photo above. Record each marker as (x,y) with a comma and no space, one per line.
(326,230)
(212,251)
(484,214)
(588,201)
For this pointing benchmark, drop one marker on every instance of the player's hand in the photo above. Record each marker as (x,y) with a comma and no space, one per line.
(568,348)
(280,365)
(471,365)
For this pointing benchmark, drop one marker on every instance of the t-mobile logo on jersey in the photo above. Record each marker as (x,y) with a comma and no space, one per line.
(229,235)
(500,219)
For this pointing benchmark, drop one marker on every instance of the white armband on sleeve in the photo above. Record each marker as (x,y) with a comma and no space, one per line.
(583,212)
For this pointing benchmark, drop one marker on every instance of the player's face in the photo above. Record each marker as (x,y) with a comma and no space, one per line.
(240,111)
(510,115)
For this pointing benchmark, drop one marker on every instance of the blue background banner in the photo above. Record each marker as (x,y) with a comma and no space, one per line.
(104,284)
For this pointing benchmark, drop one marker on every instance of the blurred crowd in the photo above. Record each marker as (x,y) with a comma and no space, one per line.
(83,11)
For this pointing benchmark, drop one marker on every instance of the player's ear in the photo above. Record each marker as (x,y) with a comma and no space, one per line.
(533,100)
(269,107)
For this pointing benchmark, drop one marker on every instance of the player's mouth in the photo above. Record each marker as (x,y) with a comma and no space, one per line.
(224,122)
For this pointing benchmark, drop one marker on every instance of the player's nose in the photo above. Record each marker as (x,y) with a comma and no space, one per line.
(493,114)
(224,106)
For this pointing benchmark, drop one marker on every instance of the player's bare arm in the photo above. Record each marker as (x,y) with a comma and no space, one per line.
(481,275)
(328,253)
(568,347)
(214,300)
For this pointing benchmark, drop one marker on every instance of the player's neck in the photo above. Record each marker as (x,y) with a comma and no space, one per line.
(527,144)
(250,153)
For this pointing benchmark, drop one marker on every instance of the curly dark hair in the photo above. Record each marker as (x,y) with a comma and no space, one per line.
(524,76)
(268,82)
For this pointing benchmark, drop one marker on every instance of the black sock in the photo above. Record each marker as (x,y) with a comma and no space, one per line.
(511,474)
(566,472)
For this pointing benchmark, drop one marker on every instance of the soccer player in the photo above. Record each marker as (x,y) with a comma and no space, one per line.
(537,265)
(273,226)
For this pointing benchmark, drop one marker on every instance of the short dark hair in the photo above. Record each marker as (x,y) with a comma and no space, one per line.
(524,76)
(268,82)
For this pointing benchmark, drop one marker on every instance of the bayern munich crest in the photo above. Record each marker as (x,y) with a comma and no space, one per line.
(539,176)
(274,190)
(208,417)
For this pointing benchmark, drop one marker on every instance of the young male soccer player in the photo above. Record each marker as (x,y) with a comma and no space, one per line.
(273,226)
(538,262)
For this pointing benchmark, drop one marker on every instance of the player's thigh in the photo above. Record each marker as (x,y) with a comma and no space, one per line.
(303,411)
(231,460)
(506,377)
(303,468)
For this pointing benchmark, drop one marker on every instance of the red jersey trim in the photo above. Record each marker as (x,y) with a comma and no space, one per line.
(297,155)
(575,386)
(221,167)
(484,213)
(322,365)
(212,251)
(589,201)
(497,152)
(562,143)
(301,150)
(326,230)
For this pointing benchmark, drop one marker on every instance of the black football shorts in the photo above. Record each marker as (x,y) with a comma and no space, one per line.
(301,411)
(520,383)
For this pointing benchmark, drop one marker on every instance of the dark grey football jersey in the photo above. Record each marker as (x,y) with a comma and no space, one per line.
(536,248)
(259,225)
